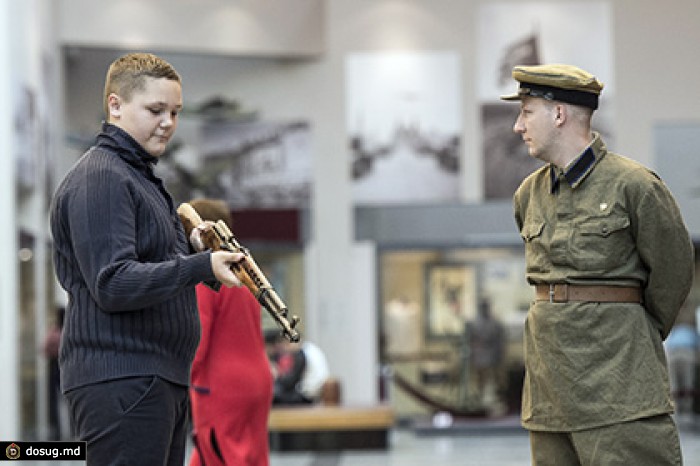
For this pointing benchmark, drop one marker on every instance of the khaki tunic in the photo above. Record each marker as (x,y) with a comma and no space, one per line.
(593,364)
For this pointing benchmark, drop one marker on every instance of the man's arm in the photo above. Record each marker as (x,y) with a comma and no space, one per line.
(665,247)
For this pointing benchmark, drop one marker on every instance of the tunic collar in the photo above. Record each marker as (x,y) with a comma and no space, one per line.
(579,169)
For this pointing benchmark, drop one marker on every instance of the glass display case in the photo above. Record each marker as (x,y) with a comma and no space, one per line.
(430,301)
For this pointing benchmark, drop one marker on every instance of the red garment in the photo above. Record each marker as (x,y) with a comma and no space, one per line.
(231,389)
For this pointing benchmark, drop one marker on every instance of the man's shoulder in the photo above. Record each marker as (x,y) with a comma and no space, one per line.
(628,169)
(624,162)
(537,179)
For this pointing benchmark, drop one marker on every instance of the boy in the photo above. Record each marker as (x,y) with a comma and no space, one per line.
(131,325)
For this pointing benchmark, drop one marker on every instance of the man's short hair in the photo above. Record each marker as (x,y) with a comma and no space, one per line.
(127,74)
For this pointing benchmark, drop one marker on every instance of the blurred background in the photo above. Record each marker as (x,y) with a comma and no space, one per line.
(366,159)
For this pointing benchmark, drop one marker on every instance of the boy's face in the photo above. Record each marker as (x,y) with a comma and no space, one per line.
(151,116)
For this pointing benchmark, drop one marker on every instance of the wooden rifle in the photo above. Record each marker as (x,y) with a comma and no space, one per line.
(218,237)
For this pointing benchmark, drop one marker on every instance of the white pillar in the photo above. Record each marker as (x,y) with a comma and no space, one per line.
(9,325)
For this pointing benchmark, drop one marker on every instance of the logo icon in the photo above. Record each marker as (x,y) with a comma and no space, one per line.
(12,451)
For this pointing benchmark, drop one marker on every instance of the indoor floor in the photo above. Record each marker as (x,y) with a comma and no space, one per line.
(504,448)
(408,447)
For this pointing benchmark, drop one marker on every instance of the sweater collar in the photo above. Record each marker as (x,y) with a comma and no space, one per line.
(121,143)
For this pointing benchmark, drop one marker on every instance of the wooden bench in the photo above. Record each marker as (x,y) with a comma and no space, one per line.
(325,428)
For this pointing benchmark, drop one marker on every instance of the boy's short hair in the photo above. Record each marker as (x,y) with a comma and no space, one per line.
(127,74)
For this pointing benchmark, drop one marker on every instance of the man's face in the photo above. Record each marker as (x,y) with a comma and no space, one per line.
(151,116)
(536,123)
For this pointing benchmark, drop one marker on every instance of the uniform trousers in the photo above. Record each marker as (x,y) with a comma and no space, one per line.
(649,441)
(135,421)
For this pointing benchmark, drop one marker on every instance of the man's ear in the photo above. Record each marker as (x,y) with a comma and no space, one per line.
(559,114)
(114,103)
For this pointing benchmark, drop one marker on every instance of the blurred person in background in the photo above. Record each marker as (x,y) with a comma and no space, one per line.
(288,364)
(487,339)
(231,391)
(682,352)
(50,348)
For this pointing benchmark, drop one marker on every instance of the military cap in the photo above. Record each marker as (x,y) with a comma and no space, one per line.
(564,83)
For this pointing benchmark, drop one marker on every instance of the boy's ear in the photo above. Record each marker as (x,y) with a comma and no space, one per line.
(114,106)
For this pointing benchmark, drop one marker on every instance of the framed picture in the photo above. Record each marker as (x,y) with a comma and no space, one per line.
(451,295)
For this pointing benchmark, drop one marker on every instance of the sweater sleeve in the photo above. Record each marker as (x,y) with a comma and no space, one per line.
(129,248)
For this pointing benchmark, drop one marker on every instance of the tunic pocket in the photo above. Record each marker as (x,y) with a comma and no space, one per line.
(535,250)
(604,227)
(602,243)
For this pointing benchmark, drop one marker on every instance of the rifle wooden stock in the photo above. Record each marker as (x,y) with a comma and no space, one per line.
(218,237)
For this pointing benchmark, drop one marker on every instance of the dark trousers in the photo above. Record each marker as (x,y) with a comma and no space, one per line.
(133,421)
(54,400)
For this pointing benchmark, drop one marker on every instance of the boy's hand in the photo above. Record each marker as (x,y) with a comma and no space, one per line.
(197,234)
(221,262)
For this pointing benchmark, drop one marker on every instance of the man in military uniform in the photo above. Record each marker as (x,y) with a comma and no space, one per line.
(611,262)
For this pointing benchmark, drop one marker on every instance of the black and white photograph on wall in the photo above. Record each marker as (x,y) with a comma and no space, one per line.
(253,164)
(404,125)
(511,34)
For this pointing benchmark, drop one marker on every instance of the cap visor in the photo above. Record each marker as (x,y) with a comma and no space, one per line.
(515,96)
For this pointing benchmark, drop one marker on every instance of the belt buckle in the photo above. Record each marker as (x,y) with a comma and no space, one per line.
(563,292)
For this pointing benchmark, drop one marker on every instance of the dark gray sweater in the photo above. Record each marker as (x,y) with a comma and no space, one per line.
(121,254)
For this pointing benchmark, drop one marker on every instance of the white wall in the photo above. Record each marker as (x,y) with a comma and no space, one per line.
(656,69)
(657,64)
(226,27)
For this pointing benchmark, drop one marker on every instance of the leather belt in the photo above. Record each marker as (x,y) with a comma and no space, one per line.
(563,292)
